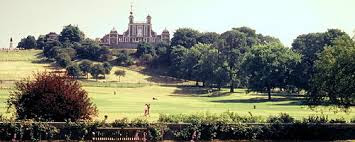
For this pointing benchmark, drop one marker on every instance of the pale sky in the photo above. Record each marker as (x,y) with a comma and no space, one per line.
(284,19)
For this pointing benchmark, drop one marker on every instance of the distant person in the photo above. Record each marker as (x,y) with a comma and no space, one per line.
(114,92)
(145,109)
(104,121)
(148,106)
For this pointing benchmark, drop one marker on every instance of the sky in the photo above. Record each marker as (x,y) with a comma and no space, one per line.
(284,19)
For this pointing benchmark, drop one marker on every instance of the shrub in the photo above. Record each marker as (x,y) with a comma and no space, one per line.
(338,120)
(85,66)
(282,118)
(123,59)
(316,119)
(51,97)
(73,70)
(96,70)
(63,60)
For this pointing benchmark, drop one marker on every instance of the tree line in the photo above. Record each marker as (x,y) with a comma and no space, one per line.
(319,64)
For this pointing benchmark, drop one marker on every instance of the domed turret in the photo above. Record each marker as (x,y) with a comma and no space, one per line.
(149,19)
(131,18)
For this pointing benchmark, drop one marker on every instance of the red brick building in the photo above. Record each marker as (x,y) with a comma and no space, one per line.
(136,32)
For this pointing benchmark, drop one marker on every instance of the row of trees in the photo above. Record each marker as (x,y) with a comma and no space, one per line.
(242,58)
(86,67)
(69,45)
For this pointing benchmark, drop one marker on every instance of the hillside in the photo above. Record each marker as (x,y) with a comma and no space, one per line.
(138,88)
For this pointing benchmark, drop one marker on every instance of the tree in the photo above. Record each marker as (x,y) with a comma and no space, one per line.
(208,38)
(232,46)
(185,37)
(96,70)
(123,59)
(73,70)
(63,60)
(145,48)
(28,43)
(310,46)
(334,80)
(85,66)
(120,73)
(90,49)
(107,67)
(71,33)
(268,66)
(41,42)
(177,58)
(51,97)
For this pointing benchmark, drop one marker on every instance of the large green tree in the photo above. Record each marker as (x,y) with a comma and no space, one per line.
(145,48)
(310,46)
(185,37)
(97,70)
(73,70)
(268,66)
(334,80)
(208,38)
(232,47)
(85,66)
(28,43)
(71,33)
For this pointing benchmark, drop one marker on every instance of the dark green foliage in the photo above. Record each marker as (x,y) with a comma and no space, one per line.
(97,70)
(310,46)
(107,67)
(334,80)
(208,38)
(185,37)
(41,42)
(123,59)
(85,67)
(269,66)
(144,48)
(47,49)
(63,60)
(71,33)
(28,43)
(73,70)
(282,118)
(67,100)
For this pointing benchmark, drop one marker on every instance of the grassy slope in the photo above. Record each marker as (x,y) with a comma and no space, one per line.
(136,89)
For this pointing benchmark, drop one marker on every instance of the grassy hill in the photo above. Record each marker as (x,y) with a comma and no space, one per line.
(138,88)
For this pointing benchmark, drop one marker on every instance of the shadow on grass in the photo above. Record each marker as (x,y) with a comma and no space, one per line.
(291,100)
(159,75)
(193,91)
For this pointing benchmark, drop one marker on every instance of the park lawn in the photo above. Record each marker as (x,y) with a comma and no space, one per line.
(137,88)
(129,102)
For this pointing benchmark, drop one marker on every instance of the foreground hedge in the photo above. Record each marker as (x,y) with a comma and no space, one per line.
(35,131)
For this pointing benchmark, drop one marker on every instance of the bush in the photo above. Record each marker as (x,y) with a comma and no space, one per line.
(51,97)
(316,119)
(73,70)
(123,59)
(63,60)
(282,118)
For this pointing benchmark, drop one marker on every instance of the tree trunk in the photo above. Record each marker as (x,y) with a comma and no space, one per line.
(119,78)
(203,84)
(87,75)
(219,87)
(232,87)
(269,93)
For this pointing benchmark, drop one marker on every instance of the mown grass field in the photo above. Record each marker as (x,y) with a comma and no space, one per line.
(138,88)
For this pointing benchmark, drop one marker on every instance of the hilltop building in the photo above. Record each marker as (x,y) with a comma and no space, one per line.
(136,32)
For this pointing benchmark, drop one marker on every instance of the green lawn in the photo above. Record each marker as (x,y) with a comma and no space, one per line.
(137,88)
